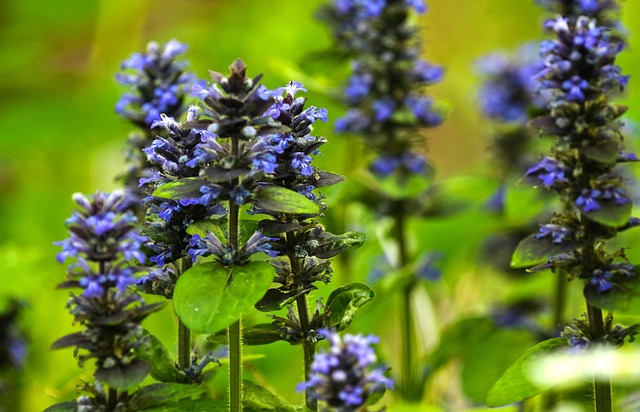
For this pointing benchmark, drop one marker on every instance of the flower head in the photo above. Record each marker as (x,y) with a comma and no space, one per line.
(342,375)
(157,83)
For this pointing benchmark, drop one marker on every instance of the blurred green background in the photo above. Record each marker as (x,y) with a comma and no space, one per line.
(60,134)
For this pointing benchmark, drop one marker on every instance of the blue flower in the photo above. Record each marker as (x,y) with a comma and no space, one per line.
(358,87)
(587,201)
(99,232)
(422,108)
(341,376)
(302,163)
(548,171)
(239,195)
(557,233)
(158,83)
(353,121)
(383,108)
(425,72)
(601,279)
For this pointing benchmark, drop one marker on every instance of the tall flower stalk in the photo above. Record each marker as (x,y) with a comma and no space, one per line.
(388,107)
(230,157)
(106,248)
(581,74)
(302,242)
(157,83)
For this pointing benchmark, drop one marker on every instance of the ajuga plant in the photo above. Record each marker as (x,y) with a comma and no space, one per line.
(157,84)
(387,107)
(342,378)
(254,154)
(303,244)
(106,249)
(581,74)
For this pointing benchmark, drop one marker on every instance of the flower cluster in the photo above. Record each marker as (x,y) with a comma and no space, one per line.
(303,243)
(341,376)
(106,248)
(580,72)
(171,157)
(509,91)
(604,11)
(580,337)
(157,85)
(388,109)
(157,81)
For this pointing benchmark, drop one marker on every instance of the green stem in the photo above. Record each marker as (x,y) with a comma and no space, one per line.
(560,300)
(184,334)
(308,347)
(234,332)
(112,399)
(602,385)
(235,366)
(410,381)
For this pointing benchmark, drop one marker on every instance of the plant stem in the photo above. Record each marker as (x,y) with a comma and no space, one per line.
(602,386)
(308,347)
(560,300)
(112,399)
(410,382)
(184,334)
(235,366)
(234,332)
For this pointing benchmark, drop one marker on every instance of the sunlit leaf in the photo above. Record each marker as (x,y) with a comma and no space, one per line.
(162,393)
(344,302)
(485,360)
(516,384)
(263,334)
(283,200)
(163,367)
(611,214)
(624,297)
(124,376)
(209,297)
(187,188)
(532,251)
(258,398)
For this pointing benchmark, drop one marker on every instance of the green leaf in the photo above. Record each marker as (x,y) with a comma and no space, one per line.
(339,243)
(163,367)
(124,376)
(532,251)
(69,406)
(457,338)
(203,227)
(209,297)
(262,334)
(219,174)
(515,385)
(163,393)
(283,200)
(606,152)
(344,302)
(258,399)
(492,355)
(193,405)
(624,297)
(275,299)
(611,214)
(187,188)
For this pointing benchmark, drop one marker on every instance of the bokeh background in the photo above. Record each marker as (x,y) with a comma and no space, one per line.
(59,134)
